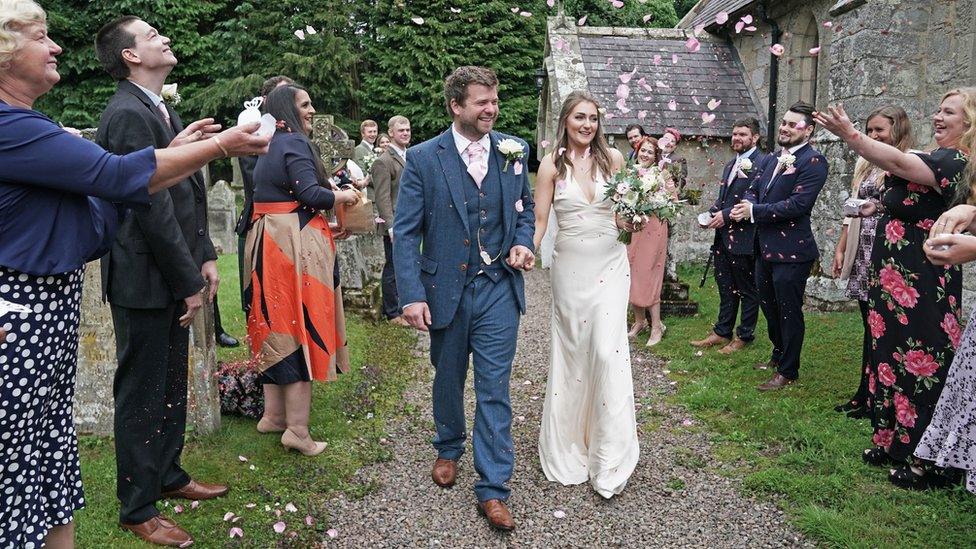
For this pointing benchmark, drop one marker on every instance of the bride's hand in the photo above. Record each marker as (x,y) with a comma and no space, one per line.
(623,224)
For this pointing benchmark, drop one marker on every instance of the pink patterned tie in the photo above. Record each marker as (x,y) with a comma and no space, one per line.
(476,167)
(165,114)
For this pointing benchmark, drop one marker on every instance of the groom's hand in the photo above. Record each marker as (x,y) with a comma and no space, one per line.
(418,315)
(520,257)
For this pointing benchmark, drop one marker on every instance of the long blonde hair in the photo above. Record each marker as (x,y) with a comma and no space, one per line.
(599,148)
(966,143)
(901,135)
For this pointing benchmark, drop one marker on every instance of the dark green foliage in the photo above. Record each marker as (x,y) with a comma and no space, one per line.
(681,7)
(368,59)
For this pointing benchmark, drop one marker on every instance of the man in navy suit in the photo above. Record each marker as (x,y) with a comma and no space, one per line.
(461,237)
(734,245)
(779,201)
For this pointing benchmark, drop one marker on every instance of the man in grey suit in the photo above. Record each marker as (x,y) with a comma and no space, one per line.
(154,277)
(385,181)
(368,132)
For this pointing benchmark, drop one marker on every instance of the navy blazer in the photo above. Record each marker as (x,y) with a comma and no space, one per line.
(736,237)
(781,212)
(431,237)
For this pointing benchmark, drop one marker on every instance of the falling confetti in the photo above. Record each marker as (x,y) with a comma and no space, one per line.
(707,117)
(559,514)
(815,51)
(641,115)
(722,17)
(309,521)
(657,59)
(828,24)
(623,91)
(673,105)
(714,104)
(300,34)
(417,20)
(625,77)
(582,21)
(777,50)
(279,527)
(545,145)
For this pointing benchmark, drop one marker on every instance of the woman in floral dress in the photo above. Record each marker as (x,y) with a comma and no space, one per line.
(914,305)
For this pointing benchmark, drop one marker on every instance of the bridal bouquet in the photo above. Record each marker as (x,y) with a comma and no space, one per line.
(638,193)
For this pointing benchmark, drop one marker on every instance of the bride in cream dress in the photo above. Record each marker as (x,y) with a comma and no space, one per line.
(589,429)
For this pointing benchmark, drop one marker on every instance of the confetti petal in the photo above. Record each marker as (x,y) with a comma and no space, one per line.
(309,521)
(309,29)
(236,532)
(525,13)
(279,527)
(178,509)
(673,105)
(515,9)
(777,50)
(417,20)
(290,507)
(194,504)
(242,459)
(657,59)
(815,51)
(695,99)
(582,21)
(828,24)
(609,61)
(707,117)
(617,3)
(722,17)
(625,77)
(559,514)
(332,533)
(714,104)
(623,91)
(621,105)
(739,26)
(660,84)
(751,28)
(544,143)
(747,19)
(641,115)
(550,3)
(648,17)
(228,515)
(674,59)
(300,34)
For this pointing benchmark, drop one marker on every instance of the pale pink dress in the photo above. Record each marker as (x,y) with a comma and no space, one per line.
(648,255)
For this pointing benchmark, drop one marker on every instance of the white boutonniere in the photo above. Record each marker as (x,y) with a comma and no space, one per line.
(745,165)
(171,95)
(786,160)
(513,151)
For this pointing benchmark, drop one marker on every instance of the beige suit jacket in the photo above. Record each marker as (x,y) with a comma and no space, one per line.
(385,180)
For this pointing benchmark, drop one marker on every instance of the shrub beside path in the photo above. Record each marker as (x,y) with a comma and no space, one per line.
(677,496)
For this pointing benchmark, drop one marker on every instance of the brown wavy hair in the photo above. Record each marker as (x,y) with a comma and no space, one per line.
(640,143)
(901,134)
(599,147)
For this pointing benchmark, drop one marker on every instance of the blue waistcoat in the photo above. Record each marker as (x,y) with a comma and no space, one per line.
(484,211)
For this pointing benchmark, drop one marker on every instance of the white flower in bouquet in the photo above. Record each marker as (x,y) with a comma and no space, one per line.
(652,179)
(368,160)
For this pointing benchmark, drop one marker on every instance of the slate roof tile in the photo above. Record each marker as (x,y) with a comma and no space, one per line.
(708,9)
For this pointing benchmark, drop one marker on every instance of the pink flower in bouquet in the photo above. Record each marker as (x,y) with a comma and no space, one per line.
(920,363)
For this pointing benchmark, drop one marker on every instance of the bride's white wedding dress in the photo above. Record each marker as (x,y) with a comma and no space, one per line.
(589,429)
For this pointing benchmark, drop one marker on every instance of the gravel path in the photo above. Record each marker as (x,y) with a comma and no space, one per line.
(673,499)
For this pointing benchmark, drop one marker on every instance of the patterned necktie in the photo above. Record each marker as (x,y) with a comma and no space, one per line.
(476,166)
(165,114)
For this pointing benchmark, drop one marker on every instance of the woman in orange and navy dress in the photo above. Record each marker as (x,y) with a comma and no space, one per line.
(648,254)
(296,323)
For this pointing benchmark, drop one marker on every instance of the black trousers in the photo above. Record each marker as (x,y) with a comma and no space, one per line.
(781,287)
(861,396)
(736,279)
(150,407)
(391,301)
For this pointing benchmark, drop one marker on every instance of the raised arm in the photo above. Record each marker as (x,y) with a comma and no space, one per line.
(905,165)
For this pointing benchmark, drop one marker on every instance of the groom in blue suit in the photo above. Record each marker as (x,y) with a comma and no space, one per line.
(461,237)
(779,201)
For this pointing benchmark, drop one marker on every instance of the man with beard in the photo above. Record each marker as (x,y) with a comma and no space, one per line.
(462,237)
(732,251)
(779,201)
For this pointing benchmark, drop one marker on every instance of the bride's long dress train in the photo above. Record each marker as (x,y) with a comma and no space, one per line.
(589,429)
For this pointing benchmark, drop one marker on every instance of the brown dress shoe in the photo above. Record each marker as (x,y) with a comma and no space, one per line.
(736,345)
(160,530)
(197,491)
(770,365)
(497,514)
(444,472)
(776,382)
(712,340)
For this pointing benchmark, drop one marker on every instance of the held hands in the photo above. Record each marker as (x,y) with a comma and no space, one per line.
(951,249)
(197,131)
(742,210)
(835,121)
(418,315)
(954,221)
(520,257)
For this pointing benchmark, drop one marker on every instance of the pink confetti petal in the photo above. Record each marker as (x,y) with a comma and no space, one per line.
(290,507)
(194,504)
(236,532)
(722,17)
(515,9)
(621,105)
(609,61)
(815,51)
(695,99)
(647,17)
(751,28)
(279,527)
(660,84)
(623,91)
(250,505)
(657,59)
(714,104)
(739,26)
(561,44)
(777,50)
(309,521)
(687,423)
(550,3)
(242,459)
(617,3)
(625,77)
(674,59)
(178,509)
(641,115)
(545,144)
(228,515)
(300,34)
(582,21)
(525,13)
(828,24)
(332,533)
(707,117)
(559,514)
(747,19)
(673,105)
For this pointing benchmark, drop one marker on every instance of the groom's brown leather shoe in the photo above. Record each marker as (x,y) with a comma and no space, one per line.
(444,472)
(776,382)
(197,491)
(712,340)
(736,345)
(497,514)
(160,530)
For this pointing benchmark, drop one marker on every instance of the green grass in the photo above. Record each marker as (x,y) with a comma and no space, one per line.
(790,445)
(349,414)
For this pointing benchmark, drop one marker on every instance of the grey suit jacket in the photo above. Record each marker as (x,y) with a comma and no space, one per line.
(157,254)
(361,150)
(385,176)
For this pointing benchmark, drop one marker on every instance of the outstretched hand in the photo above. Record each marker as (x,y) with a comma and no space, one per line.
(242,141)
(836,121)
(205,128)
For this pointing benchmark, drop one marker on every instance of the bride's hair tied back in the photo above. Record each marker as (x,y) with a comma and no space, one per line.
(599,148)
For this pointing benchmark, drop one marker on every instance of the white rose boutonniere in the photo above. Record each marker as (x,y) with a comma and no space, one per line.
(786,160)
(513,151)
(171,95)
(745,165)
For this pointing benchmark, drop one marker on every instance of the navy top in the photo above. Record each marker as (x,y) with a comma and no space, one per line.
(287,173)
(61,195)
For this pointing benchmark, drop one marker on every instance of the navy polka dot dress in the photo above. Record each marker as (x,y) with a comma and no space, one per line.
(40,476)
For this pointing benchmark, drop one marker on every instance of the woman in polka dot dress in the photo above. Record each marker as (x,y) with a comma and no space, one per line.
(61,200)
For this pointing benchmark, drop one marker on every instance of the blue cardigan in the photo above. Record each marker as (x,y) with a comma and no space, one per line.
(61,197)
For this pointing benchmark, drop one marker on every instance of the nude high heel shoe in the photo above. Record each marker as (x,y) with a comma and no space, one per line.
(266,426)
(656,336)
(306,446)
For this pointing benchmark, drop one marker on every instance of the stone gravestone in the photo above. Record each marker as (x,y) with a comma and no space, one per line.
(93,403)
(360,256)
(222,217)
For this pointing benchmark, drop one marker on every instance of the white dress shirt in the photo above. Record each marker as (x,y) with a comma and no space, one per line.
(462,143)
